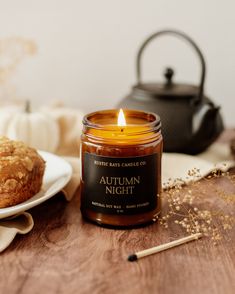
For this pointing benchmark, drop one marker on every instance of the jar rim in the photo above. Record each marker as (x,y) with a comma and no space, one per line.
(153,121)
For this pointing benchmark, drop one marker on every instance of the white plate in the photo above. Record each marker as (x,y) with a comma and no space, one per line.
(58,172)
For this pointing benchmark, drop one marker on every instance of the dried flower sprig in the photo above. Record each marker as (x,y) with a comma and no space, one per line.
(185,206)
(12,52)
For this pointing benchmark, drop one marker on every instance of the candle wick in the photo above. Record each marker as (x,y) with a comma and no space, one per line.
(122,130)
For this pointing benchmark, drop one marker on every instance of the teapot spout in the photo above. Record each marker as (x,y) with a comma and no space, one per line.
(209,129)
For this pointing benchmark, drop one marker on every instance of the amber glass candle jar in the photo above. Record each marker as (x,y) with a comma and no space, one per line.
(121,167)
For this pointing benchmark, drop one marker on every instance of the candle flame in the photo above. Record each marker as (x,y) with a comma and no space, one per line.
(121,119)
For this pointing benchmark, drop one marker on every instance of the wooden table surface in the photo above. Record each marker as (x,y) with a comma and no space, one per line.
(65,254)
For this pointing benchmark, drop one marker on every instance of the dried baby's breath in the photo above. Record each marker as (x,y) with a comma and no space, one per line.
(187,206)
(12,51)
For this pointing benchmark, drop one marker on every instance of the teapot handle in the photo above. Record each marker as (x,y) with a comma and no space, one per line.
(182,36)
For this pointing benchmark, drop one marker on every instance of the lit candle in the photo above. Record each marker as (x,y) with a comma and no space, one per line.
(121,119)
(121,167)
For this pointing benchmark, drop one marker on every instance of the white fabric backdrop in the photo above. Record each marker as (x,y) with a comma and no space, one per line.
(87,49)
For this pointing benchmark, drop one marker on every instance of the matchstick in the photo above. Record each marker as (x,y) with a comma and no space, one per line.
(162,247)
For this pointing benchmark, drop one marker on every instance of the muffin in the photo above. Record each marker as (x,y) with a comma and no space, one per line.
(21,172)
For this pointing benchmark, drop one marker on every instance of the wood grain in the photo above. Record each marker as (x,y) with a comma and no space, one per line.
(65,254)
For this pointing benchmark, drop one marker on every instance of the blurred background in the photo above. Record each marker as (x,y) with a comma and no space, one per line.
(87,49)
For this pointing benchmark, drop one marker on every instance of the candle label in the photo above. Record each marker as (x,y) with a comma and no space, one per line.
(126,185)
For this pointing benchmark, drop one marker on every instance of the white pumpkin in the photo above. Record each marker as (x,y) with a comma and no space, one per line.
(69,121)
(5,117)
(36,129)
(6,114)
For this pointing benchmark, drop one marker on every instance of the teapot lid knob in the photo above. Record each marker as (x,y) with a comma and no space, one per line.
(169,72)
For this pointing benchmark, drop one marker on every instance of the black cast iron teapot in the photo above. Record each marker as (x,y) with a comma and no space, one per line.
(190,120)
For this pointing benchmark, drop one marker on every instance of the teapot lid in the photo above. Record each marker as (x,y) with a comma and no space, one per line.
(167,89)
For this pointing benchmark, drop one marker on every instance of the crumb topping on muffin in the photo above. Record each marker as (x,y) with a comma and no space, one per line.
(21,169)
